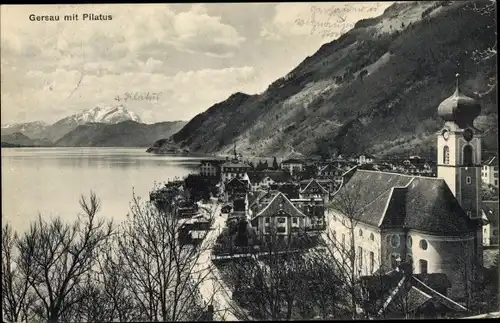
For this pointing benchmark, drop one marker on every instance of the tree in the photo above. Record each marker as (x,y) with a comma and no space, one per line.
(162,275)
(17,296)
(269,286)
(275,163)
(346,207)
(56,257)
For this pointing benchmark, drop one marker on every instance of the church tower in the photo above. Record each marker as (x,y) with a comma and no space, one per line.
(459,153)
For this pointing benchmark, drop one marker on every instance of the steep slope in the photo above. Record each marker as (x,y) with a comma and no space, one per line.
(124,134)
(20,139)
(375,89)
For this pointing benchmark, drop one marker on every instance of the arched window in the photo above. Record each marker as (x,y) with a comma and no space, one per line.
(468,158)
(446,155)
(423,244)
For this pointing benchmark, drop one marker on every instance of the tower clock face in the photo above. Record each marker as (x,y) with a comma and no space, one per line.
(468,134)
(446,134)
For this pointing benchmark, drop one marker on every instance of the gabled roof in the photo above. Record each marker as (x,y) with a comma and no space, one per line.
(411,202)
(493,161)
(314,185)
(395,290)
(490,209)
(280,203)
(236,181)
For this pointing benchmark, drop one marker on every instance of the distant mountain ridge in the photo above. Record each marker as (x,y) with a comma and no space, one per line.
(100,126)
(128,133)
(374,90)
(20,139)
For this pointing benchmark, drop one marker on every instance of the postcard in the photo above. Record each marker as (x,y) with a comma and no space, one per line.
(249,161)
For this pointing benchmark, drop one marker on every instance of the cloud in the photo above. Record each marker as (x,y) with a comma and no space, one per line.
(184,94)
(196,31)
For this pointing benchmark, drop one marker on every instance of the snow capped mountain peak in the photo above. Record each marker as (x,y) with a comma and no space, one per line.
(107,114)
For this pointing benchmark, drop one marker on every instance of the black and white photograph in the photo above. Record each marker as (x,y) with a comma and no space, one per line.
(270,161)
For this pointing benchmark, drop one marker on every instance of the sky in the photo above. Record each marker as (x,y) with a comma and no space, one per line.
(186,56)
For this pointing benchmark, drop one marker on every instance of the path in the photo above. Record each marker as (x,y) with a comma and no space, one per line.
(213,289)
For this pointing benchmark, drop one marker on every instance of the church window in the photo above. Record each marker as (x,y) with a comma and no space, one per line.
(360,257)
(468,158)
(395,240)
(372,237)
(423,244)
(372,262)
(360,232)
(468,180)
(410,242)
(446,155)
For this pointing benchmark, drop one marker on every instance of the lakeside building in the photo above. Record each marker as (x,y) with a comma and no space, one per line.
(432,223)
(211,167)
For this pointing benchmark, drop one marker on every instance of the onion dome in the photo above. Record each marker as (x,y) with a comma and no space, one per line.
(459,108)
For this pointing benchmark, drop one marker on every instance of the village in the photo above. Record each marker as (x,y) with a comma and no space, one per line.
(425,225)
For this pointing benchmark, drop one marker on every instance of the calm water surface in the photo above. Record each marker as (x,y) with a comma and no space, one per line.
(50,181)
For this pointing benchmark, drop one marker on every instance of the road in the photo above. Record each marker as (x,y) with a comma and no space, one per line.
(213,289)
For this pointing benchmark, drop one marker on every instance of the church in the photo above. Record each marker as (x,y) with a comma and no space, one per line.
(432,223)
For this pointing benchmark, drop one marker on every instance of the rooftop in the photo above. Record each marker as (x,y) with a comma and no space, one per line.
(395,200)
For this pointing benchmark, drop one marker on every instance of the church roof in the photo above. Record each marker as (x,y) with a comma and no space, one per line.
(391,200)
(280,203)
(459,108)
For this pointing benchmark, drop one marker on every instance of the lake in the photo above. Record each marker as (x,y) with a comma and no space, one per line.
(50,181)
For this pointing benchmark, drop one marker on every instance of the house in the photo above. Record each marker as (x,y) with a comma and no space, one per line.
(232,169)
(489,172)
(279,217)
(402,294)
(314,209)
(490,225)
(236,190)
(293,166)
(266,178)
(332,172)
(365,159)
(314,190)
(210,168)
(236,186)
(290,189)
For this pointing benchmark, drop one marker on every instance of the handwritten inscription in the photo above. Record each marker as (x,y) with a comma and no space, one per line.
(138,96)
(334,21)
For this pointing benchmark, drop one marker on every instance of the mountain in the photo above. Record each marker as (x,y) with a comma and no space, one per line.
(375,89)
(128,133)
(42,131)
(31,129)
(108,115)
(19,139)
